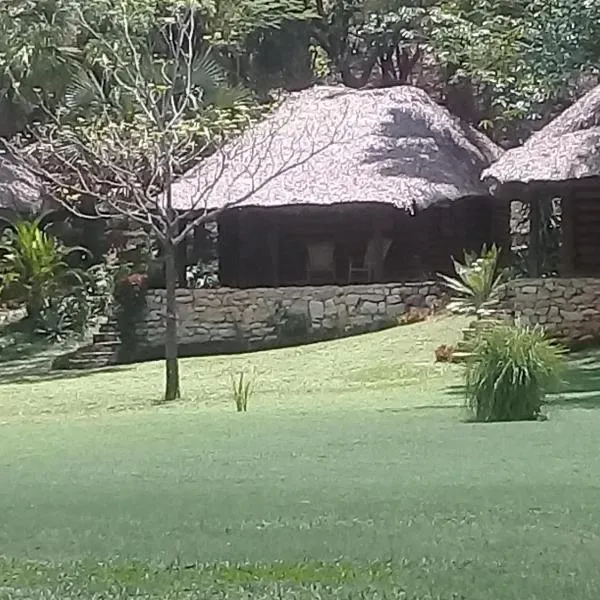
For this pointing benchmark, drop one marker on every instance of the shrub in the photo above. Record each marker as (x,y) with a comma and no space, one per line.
(509,371)
(444,353)
(477,280)
(102,282)
(55,322)
(415,314)
(34,267)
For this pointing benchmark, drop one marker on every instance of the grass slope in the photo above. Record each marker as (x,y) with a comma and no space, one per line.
(330,487)
(392,368)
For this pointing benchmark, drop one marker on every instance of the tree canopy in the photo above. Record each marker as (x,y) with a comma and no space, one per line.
(499,62)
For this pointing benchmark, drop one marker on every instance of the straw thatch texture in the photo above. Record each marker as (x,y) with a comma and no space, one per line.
(568,148)
(20,191)
(332,145)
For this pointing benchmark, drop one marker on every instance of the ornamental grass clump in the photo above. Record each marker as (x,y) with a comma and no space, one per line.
(510,370)
(242,387)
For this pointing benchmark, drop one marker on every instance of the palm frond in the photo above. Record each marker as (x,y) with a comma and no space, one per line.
(83,91)
(228,97)
(207,74)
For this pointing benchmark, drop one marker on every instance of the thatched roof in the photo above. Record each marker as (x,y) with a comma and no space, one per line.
(567,148)
(20,191)
(392,145)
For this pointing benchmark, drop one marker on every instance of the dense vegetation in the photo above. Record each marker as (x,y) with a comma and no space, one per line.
(498,63)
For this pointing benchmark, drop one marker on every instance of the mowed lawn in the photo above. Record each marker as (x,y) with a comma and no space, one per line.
(353,475)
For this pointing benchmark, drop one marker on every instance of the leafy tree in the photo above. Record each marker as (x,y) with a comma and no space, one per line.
(360,35)
(515,60)
(44,48)
(147,128)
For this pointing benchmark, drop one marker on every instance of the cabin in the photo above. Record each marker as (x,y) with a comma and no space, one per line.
(560,162)
(343,186)
(21,193)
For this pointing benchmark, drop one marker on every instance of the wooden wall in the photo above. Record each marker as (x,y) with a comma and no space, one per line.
(267,247)
(581,235)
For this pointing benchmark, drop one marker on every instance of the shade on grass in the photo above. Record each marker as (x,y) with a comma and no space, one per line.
(314,501)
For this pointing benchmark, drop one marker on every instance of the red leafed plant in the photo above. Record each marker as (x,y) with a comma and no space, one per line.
(130,294)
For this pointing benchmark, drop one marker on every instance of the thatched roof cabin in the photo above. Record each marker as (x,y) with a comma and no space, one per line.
(392,145)
(562,160)
(567,149)
(20,191)
(346,165)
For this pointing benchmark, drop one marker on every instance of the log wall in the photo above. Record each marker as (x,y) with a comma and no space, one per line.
(267,247)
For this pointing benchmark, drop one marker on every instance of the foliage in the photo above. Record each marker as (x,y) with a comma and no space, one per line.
(509,372)
(478,279)
(242,387)
(59,320)
(34,267)
(51,61)
(517,60)
(359,35)
(519,57)
(415,314)
(101,283)
(445,353)
(203,275)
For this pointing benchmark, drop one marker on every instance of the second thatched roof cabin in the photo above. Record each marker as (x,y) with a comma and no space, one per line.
(561,161)
(342,185)
(21,193)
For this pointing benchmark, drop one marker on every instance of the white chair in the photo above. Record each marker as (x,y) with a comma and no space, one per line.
(321,262)
(366,270)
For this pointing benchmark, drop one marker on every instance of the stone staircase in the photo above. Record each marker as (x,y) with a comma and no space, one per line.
(102,352)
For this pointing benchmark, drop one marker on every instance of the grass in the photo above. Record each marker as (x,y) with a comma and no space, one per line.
(23,355)
(390,369)
(333,485)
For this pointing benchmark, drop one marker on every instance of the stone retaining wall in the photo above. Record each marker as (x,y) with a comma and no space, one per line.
(569,309)
(234,320)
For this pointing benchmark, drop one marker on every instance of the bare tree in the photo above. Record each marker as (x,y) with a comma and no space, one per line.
(127,164)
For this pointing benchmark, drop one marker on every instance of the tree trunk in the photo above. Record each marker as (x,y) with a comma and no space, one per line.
(172,388)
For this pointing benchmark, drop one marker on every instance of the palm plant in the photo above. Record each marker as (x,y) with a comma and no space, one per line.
(34,267)
(478,279)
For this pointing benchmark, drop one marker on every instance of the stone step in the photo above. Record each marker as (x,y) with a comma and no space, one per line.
(106,337)
(102,346)
(94,354)
(84,364)
(109,327)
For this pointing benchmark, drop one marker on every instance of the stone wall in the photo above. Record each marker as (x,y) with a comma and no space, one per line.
(235,320)
(569,309)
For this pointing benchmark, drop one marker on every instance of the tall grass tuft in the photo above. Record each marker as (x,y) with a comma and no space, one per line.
(510,370)
(242,387)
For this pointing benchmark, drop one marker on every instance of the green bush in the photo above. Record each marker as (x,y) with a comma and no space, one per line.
(509,372)
(478,279)
(34,267)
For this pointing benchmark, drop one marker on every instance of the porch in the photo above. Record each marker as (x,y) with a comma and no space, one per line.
(351,244)
(579,243)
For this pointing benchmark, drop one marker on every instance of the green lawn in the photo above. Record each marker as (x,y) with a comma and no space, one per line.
(353,475)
